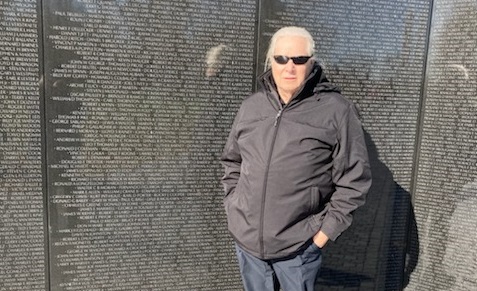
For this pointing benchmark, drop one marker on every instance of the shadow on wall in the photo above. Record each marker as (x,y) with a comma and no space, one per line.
(380,250)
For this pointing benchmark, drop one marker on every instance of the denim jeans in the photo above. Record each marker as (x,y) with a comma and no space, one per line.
(295,273)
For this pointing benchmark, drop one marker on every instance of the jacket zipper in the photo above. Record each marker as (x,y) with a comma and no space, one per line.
(279,114)
(262,210)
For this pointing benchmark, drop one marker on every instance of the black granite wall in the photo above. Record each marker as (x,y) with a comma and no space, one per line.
(113,115)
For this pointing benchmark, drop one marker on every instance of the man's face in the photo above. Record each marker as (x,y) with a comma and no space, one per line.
(289,77)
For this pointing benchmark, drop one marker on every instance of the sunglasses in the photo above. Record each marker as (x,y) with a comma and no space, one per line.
(282,60)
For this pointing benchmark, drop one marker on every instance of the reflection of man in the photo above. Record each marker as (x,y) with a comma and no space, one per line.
(460,258)
(215,60)
(296,167)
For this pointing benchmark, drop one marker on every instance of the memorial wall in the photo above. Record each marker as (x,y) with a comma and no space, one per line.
(113,116)
(23,244)
(375,51)
(445,195)
(139,99)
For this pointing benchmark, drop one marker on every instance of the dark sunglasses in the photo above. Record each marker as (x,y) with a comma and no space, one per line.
(282,60)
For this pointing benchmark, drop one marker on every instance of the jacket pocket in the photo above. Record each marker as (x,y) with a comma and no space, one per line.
(314,199)
(226,202)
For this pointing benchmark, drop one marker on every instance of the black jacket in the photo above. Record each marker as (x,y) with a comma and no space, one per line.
(292,170)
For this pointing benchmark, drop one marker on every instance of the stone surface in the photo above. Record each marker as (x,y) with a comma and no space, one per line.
(114,113)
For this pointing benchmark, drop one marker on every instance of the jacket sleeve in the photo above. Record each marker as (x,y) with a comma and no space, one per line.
(231,160)
(351,175)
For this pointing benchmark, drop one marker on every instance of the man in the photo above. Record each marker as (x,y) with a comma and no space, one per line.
(296,167)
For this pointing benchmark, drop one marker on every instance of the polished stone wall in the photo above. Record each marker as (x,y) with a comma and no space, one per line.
(445,192)
(114,113)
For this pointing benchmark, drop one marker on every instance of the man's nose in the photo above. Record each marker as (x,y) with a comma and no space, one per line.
(290,66)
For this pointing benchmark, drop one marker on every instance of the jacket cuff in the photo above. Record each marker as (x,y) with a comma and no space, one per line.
(332,228)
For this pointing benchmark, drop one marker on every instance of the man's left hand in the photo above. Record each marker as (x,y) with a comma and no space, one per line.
(320,239)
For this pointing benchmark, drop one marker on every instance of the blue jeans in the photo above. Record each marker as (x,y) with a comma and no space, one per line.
(295,273)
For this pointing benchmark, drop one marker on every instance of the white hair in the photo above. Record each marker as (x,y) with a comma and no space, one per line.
(288,31)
